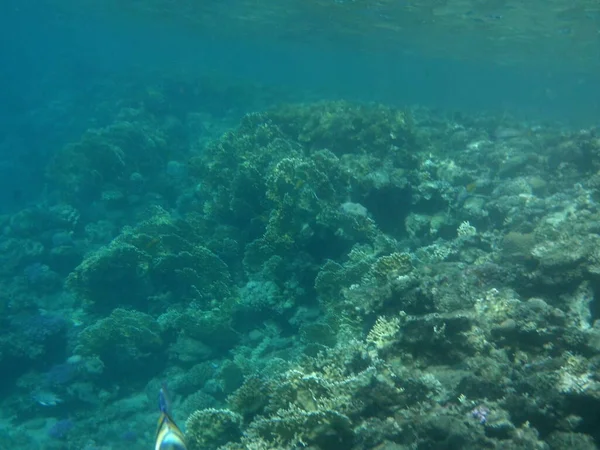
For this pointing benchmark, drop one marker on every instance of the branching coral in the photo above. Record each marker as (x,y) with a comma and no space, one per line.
(211,428)
(316,403)
(364,282)
(297,427)
(383,332)
(293,195)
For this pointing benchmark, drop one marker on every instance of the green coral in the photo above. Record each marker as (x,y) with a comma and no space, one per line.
(347,127)
(192,379)
(390,267)
(105,158)
(334,277)
(32,222)
(518,245)
(18,253)
(305,198)
(230,377)
(211,428)
(300,196)
(202,325)
(233,169)
(124,341)
(113,275)
(363,283)
(159,255)
(317,335)
(250,398)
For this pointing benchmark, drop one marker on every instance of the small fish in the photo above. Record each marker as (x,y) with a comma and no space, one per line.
(502,133)
(168,434)
(46,398)
(152,243)
(462,195)
(508,134)
(471,187)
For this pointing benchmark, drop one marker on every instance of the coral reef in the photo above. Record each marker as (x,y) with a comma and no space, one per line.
(329,275)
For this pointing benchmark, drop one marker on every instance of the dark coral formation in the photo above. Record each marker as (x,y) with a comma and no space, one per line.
(159,256)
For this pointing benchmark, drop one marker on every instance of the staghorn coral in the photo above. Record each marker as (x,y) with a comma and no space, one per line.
(384,332)
(466,230)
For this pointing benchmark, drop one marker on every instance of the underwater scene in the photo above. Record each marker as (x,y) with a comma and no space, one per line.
(303,224)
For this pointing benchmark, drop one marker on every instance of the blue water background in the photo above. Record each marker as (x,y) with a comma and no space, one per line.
(60,66)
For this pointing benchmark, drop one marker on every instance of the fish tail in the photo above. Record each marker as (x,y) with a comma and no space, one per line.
(164,404)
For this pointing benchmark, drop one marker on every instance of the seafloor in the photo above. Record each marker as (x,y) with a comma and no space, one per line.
(327,275)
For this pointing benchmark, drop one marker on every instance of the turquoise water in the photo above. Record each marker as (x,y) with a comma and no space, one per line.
(334,225)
